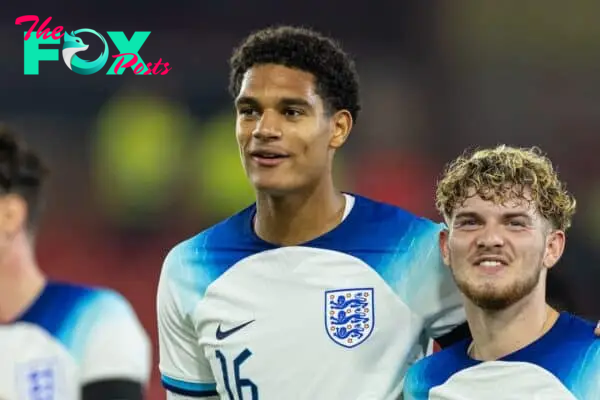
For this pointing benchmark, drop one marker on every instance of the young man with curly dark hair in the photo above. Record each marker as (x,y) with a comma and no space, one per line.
(507,214)
(309,293)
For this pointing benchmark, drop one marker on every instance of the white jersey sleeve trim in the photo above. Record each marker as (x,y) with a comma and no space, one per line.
(189,389)
(117,346)
(182,364)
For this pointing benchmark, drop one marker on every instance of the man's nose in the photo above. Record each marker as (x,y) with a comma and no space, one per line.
(268,126)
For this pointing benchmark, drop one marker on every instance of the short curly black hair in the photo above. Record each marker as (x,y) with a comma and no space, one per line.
(306,50)
(22,172)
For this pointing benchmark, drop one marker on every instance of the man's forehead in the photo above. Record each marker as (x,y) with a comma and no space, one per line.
(494,205)
(277,79)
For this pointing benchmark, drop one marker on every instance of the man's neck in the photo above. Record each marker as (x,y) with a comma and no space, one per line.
(300,217)
(21,282)
(499,333)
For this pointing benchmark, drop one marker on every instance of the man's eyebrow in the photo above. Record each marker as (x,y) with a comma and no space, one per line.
(246,100)
(283,102)
(467,214)
(517,214)
(295,101)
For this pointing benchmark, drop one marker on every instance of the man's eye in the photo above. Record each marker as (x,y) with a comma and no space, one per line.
(248,112)
(292,112)
(517,223)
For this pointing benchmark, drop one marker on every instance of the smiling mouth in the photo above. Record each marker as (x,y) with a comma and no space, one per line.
(268,153)
(490,263)
(268,156)
(268,159)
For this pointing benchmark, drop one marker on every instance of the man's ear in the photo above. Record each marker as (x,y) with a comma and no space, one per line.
(13,214)
(342,125)
(443,241)
(555,246)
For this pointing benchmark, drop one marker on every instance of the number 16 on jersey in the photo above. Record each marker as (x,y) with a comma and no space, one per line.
(235,381)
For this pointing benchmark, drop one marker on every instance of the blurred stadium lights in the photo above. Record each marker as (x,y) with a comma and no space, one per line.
(137,156)
(215,171)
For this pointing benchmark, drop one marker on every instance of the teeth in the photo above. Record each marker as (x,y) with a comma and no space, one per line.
(489,263)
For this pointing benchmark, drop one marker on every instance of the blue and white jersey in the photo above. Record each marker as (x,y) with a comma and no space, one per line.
(71,335)
(564,364)
(339,317)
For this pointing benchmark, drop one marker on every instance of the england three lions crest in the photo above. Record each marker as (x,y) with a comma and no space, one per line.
(349,315)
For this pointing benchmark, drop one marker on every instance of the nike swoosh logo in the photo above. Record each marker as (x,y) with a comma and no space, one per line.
(223,334)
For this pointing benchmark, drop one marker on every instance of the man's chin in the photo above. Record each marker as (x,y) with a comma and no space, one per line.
(492,302)
(492,298)
(498,294)
(271,187)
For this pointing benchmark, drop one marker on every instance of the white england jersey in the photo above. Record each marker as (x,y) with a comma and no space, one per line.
(71,335)
(564,364)
(339,317)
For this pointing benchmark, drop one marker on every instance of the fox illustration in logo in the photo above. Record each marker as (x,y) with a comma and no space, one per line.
(73,44)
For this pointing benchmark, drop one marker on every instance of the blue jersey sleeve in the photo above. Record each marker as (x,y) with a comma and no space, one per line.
(184,369)
(426,283)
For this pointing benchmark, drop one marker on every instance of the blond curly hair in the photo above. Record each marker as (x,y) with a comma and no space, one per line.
(504,173)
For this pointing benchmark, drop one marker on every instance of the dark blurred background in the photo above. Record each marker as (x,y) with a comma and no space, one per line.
(142,162)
